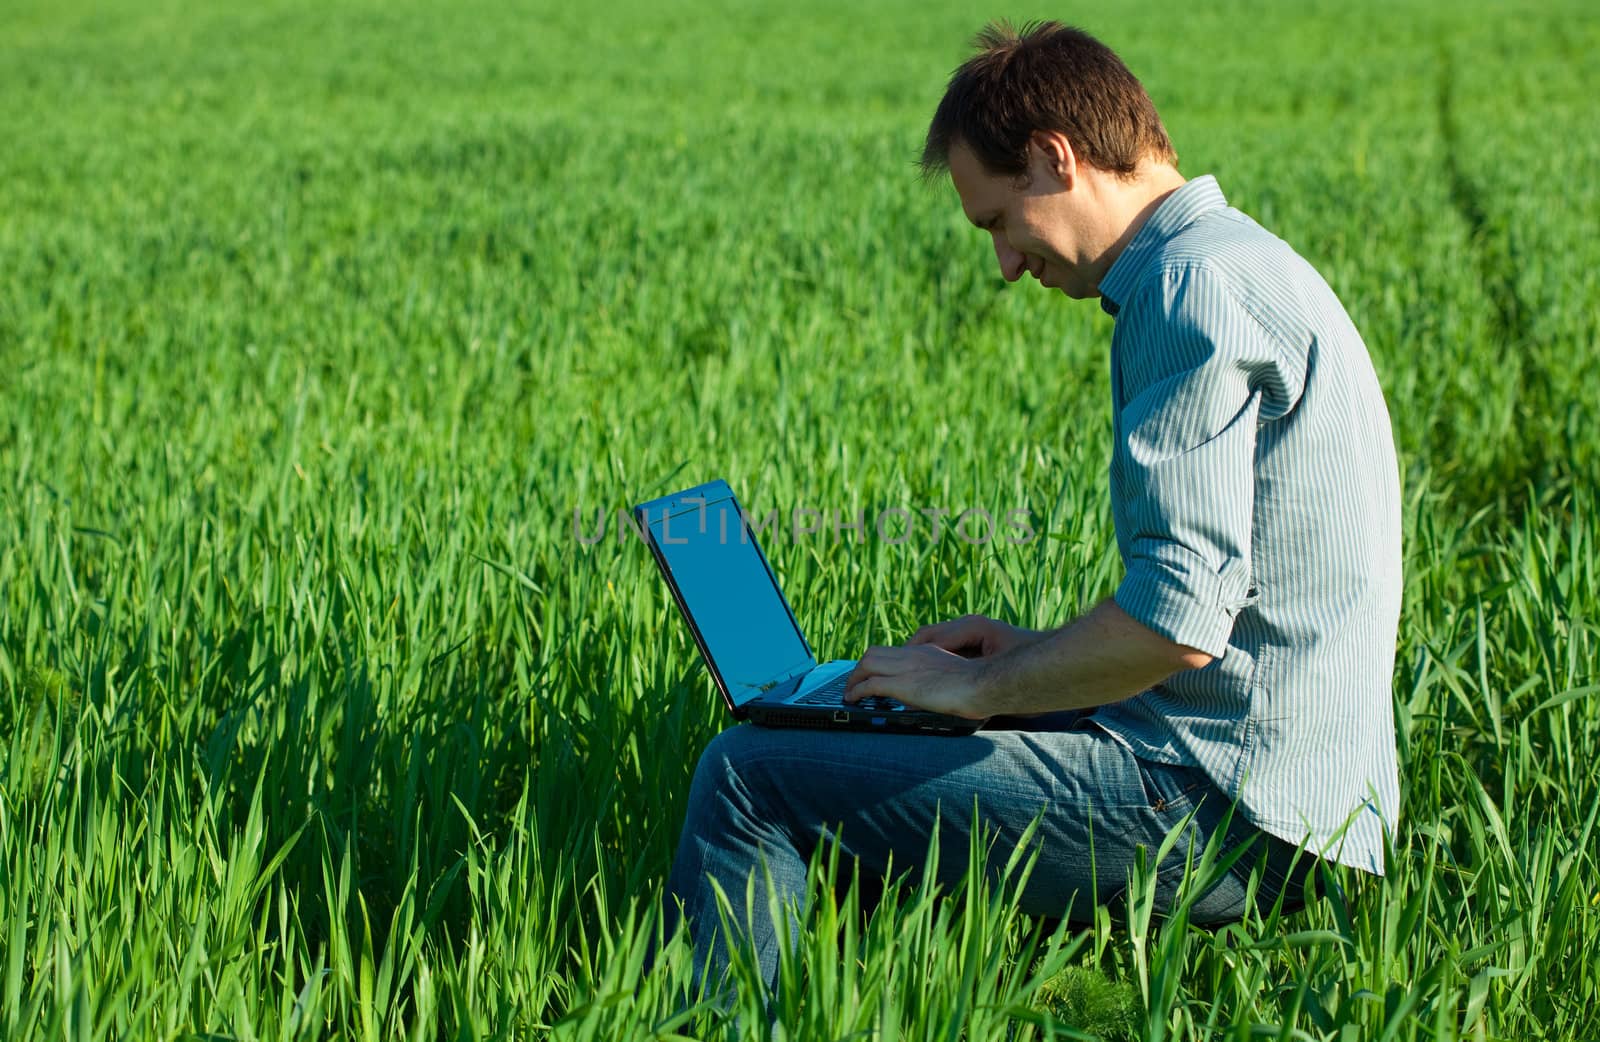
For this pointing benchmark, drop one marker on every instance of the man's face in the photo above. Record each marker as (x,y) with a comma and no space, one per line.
(1037,229)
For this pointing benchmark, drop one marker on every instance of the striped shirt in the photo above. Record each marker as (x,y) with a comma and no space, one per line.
(1256,499)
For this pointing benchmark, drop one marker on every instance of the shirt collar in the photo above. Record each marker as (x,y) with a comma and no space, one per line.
(1176,212)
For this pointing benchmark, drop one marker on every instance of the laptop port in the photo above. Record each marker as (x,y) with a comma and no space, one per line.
(878,721)
(840,716)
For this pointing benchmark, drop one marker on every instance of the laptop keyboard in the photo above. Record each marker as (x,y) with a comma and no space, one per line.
(832,694)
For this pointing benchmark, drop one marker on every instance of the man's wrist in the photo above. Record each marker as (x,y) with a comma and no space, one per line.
(994,693)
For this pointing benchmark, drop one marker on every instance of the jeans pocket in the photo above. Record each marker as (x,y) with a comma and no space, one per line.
(1272,857)
(1171,786)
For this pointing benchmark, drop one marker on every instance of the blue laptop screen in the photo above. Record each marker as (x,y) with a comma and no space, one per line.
(732,598)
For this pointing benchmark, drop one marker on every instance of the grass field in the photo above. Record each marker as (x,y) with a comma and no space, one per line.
(318,323)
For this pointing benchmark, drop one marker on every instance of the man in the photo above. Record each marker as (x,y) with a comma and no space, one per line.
(1245,660)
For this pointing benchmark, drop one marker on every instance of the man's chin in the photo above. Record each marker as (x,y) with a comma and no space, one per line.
(1075,292)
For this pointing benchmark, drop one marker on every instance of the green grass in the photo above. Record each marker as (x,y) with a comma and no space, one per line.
(317,323)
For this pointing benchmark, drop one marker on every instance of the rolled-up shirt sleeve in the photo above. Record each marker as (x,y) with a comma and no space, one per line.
(1192,385)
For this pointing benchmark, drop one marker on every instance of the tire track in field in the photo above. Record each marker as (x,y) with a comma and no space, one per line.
(1496,260)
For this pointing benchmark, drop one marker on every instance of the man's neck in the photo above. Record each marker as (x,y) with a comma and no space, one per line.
(1132,202)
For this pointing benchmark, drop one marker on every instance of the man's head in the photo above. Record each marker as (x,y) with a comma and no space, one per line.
(1055,149)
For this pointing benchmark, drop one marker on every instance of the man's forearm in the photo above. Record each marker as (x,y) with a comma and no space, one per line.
(1101,657)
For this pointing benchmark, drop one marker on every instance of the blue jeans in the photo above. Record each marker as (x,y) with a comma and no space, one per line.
(778,793)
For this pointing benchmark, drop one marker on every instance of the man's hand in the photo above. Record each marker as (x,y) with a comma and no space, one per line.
(938,669)
(921,675)
(976,667)
(975,636)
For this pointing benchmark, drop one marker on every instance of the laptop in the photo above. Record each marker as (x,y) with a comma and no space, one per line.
(746,632)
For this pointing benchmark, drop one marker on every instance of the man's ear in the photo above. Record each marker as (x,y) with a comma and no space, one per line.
(1050,154)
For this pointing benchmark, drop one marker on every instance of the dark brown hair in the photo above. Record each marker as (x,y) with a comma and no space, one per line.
(1048,76)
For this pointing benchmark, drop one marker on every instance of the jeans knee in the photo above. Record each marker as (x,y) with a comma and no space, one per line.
(735,759)
(729,752)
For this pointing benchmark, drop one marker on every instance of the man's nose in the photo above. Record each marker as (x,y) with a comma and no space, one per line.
(1012,262)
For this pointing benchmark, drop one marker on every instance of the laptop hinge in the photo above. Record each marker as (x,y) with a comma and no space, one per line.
(790,682)
(801,670)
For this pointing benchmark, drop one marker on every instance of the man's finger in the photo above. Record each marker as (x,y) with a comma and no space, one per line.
(894,687)
(879,660)
(862,689)
(873,661)
(955,635)
(870,662)
(866,688)
(876,665)
(935,632)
